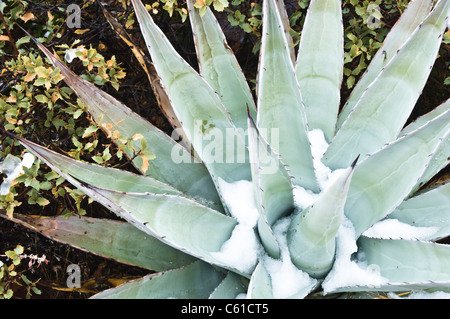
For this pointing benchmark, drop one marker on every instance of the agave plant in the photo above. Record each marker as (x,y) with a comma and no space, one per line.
(282,197)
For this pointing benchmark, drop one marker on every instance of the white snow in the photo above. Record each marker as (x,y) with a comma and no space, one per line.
(239,199)
(71,54)
(319,146)
(13,172)
(304,197)
(395,229)
(347,272)
(286,278)
(242,249)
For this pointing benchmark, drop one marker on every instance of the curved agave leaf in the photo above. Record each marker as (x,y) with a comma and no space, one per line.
(407,264)
(384,179)
(232,286)
(219,66)
(320,64)
(177,221)
(441,156)
(260,286)
(312,233)
(195,281)
(103,177)
(188,176)
(173,219)
(400,32)
(272,188)
(196,105)
(387,103)
(428,209)
(280,105)
(99,176)
(109,238)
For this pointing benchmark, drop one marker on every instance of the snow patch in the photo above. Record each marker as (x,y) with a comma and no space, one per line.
(395,229)
(242,249)
(287,280)
(347,272)
(303,197)
(71,54)
(319,146)
(13,168)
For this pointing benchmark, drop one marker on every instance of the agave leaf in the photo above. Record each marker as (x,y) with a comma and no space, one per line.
(384,179)
(99,176)
(219,66)
(280,108)
(312,233)
(272,187)
(407,264)
(387,103)
(428,209)
(109,238)
(320,64)
(103,177)
(197,106)
(286,27)
(177,221)
(170,218)
(260,286)
(160,93)
(230,287)
(441,156)
(397,36)
(195,281)
(422,120)
(188,175)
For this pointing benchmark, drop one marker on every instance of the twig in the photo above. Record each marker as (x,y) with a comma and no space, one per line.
(15,51)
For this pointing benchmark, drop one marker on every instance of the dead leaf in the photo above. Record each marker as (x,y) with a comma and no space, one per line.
(29,77)
(145,164)
(137,136)
(81,31)
(27,16)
